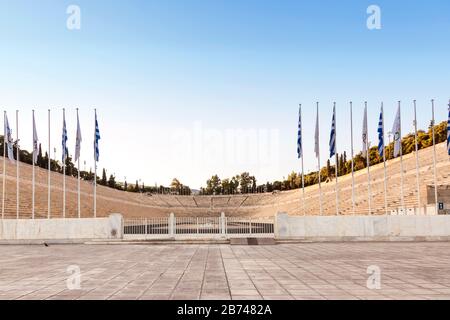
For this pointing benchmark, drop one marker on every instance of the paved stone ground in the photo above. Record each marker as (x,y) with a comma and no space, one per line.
(289,271)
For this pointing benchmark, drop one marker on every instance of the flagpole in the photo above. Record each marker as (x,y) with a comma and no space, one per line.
(17,164)
(353,165)
(64,167)
(95,168)
(401,158)
(33,178)
(303,172)
(49,169)
(95,190)
(318,161)
(384,162)
(417,157)
(337,160)
(369,192)
(434,158)
(79,203)
(4,165)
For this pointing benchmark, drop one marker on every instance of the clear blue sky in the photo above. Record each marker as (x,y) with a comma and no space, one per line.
(189,88)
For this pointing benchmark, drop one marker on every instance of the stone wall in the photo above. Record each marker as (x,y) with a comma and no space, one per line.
(62,229)
(362,227)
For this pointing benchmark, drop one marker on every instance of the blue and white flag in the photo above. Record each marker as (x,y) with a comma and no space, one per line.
(78,140)
(333,134)
(65,152)
(381,134)
(35,142)
(96,138)
(299,137)
(397,132)
(9,140)
(448,130)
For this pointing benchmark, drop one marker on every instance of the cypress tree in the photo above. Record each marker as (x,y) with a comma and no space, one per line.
(103,181)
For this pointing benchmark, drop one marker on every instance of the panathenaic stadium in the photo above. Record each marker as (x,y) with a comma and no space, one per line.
(132,205)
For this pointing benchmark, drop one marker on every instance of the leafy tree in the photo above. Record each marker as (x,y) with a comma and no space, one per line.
(213,185)
(112,181)
(328,172)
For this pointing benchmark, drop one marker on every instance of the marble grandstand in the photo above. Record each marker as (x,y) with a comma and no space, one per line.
(251,205)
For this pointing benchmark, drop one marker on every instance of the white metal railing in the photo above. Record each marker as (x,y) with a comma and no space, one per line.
(241,227)
(197,228)
(146,228)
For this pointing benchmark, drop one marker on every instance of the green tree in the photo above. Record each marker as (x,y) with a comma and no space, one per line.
(112,181)
(213,185)
(246,182)
(103,181)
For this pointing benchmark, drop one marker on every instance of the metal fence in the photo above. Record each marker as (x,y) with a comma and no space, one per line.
(240,227)
(197,228)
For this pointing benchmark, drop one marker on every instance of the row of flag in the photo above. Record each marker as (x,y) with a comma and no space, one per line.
(9,148)
(396,130)
(65,151)
(397,133)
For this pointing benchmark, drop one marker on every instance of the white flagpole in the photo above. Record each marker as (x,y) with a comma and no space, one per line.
(369,192)
(64,168)
(4,165)
(353,165)
(318,162)
(303,172)
(434,158)
(337,160)
(384,163)
(401,159)
(33,178)
(95,190)
(95,169)
(303,188)
(49,169)
(17,164)
(417,157)
(79,203)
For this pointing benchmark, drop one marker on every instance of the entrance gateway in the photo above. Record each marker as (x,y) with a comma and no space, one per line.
(180,228)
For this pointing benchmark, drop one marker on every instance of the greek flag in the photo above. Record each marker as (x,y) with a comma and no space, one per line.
(333,134)
(35,142)
(381,134)
(448,130)
(299,138)
(65,152)
(9,140)
(78,140)
(96,138)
